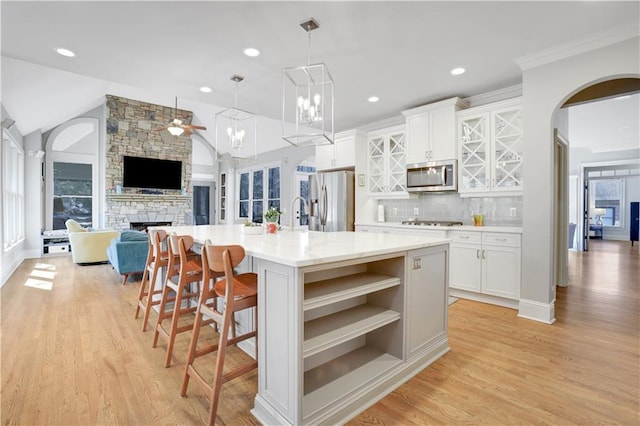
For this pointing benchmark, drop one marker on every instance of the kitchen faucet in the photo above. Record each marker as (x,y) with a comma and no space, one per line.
(293,202)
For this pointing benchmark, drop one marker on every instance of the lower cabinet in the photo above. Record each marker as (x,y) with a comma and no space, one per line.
(427,298)
(486,263)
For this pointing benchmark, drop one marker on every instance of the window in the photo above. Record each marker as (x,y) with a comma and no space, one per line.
(606,200)
(13,192)
(72,194)
(254,197)
(223,197)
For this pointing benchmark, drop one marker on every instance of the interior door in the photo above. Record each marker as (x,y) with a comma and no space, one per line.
(203,203)
(585,214)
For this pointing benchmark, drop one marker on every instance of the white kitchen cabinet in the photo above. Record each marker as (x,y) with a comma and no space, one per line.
(386,166)
(431,131)
(490,146)
(488,263)
(341,154)
(427,270)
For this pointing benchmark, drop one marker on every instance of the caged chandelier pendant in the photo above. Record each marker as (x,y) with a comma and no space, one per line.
(307,100)
(238,128)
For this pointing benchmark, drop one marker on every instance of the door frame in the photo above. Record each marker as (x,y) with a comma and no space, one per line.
(213,213)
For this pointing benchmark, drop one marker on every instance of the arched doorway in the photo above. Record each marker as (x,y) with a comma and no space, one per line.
(575,205)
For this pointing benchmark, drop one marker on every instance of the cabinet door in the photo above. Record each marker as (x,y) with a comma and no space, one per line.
(442,132)
(427,295)
(396,163)
(345,152)
(417,145)
(325,157)
(465,269)
(507,146)
(376,165)
(501,271)
(474,145)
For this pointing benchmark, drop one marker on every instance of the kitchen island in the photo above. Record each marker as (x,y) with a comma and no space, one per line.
(343,317)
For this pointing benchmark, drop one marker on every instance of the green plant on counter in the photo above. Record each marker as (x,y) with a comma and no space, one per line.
(249,224)
(272,214)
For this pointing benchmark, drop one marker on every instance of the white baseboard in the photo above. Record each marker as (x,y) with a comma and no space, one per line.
(537,311)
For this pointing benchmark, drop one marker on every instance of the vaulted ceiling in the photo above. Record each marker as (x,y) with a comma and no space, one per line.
(152,51)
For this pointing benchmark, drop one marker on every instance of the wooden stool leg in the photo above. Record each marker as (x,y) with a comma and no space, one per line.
(151,292)
(191,356)
(218,379)
(142,293)
(161,315)
(177,307)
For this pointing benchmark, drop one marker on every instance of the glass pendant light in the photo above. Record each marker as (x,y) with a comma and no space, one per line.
(237,129)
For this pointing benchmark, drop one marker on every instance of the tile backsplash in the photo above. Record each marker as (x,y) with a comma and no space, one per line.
(497,211)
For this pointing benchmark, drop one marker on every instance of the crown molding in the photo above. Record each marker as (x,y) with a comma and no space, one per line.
(578,46)
(495,96)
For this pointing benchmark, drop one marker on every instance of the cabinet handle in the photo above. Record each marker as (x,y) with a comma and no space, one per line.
(483,256)
(463,237)
(501,239)
(478,253)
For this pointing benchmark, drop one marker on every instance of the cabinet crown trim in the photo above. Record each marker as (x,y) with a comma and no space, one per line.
(454,102)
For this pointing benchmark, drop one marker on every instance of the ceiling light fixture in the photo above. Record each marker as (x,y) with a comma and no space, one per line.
(458,71)
(205,89)
(307,100)
(238,127)
(373,99)
(64,52)
(251,52)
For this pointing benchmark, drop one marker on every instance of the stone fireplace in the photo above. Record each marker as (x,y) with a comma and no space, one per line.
(134,129)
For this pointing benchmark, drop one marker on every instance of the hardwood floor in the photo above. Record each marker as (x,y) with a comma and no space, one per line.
(73,354)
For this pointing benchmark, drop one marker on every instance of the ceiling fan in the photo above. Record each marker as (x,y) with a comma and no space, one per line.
(177,128)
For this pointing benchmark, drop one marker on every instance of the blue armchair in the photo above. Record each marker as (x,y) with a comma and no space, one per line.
(128,253)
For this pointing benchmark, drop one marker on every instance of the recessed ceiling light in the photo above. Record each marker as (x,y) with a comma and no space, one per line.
(64,52)
(373,99)
(205,89)
(457,71)
(251,52)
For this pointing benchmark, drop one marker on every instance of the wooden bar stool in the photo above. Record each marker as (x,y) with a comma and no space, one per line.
(240,292)
(189,268)
(156,258)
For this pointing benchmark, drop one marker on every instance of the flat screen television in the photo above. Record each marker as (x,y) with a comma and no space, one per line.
(140,172)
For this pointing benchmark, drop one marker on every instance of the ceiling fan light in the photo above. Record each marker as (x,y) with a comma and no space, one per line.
(175,131)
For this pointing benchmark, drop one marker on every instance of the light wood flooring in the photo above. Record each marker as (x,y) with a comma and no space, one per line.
(72,354)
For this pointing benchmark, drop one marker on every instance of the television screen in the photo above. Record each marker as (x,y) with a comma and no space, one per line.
(142,172)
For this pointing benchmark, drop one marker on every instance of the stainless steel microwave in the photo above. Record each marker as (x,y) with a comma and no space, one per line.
(434,176)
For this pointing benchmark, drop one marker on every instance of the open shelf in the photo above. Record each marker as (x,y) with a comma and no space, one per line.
(329,382)
(326,332)
(322,293)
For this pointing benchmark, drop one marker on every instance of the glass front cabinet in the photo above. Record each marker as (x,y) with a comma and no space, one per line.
(386,163)
(490,148)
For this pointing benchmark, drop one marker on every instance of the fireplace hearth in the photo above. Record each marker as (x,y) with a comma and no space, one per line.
(142,226)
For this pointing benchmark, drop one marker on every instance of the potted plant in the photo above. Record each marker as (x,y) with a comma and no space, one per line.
(271,216)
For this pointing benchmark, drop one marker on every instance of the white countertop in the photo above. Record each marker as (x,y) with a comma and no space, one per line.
(510,229)
(304,248)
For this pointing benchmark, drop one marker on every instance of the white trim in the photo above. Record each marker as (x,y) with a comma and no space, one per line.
(537,311)
(494,96)
(577,46)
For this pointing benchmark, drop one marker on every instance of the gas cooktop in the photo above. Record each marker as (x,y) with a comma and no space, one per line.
(431,223)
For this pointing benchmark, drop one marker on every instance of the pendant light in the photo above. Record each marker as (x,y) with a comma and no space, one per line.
(307,100)
(237,129)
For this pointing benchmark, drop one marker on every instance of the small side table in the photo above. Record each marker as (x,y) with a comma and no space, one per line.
(595,232)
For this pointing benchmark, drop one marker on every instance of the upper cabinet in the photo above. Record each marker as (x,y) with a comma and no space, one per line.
(342,154)
(490,149)
(431,131)
(386,163)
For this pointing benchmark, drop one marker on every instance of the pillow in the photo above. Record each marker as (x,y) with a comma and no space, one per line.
(73,226)
(131,235)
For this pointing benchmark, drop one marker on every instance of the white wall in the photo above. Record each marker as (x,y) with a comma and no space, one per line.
(545,88)
(11,259)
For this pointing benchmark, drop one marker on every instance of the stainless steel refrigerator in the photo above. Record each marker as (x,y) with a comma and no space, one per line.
(332,201)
